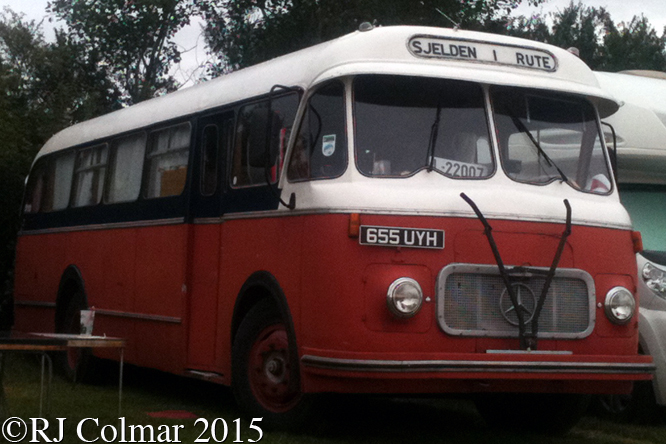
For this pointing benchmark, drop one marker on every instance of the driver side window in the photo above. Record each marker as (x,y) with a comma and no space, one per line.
(320,150)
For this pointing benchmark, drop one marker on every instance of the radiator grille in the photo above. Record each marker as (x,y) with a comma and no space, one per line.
(473,301)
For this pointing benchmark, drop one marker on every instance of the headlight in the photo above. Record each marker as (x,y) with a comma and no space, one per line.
(404,297)
(655,279)
(620,305)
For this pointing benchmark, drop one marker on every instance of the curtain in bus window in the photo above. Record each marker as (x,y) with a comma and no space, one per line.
(89,176)
(126,168)
(545,136)
(320,150)
(167,159)
(249,158)
(406,124)
(62,185)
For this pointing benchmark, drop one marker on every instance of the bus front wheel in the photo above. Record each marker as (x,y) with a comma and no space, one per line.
(264,374)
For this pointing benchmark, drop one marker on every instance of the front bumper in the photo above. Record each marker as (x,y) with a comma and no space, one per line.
(639,367)
(500,371)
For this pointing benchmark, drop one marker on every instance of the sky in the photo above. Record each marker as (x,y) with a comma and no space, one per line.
(192,44)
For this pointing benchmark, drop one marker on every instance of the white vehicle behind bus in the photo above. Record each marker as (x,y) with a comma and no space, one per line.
(640,132)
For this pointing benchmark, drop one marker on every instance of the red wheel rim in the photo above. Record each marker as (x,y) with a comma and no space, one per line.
(270,373)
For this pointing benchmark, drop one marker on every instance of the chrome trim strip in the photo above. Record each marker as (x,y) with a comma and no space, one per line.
(38,304)
(530,352)
(572,273)
(207,220)
(411,212)
(139,316)
(109,226)
(104,312)
(306,212)
(444,366)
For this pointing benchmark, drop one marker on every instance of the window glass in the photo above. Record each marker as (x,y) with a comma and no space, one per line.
(406,124)
(255,123)
(90,175)
(36,194)
(209,160)
(166,162)
(320,150)
(545,136)
(126,168)
(62,182)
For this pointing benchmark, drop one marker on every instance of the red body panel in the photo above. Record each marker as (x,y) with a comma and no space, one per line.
(187,277)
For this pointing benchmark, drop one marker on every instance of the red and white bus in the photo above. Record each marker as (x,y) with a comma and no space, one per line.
(400,210)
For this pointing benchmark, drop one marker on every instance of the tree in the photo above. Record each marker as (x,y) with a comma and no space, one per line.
(247,32)
(601,44)
(580,27)
(633,46)
(46,87)
(133,39)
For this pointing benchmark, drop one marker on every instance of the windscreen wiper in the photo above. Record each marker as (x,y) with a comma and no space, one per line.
(433,138)
(528,341)
(518,306)
(523,129)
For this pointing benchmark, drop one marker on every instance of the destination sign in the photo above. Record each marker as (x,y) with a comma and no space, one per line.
(401,237)
(475,51)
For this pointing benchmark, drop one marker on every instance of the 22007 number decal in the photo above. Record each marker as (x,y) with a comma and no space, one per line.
(401,237)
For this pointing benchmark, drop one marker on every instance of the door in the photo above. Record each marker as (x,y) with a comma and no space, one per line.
(214,133)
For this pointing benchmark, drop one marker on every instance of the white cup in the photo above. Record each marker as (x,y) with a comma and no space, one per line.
(381,168)
(87,321)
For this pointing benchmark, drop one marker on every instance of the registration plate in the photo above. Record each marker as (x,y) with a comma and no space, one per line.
(401,237)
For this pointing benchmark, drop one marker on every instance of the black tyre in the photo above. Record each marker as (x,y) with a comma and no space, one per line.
(265,374)
(551,414)
(639,406)
(76,363)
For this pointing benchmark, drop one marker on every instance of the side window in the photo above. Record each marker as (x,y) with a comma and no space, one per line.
(166,161)
(218,137)
(63,170)
(320,150)
(126,167)
(89,176)
(36,193)
(255,123)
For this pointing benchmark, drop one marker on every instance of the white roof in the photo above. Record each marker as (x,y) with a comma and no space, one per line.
(381,50)
(640,125)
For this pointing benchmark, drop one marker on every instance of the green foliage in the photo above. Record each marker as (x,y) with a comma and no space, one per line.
(247,32)
(132,39)
(45,87)
(633,46)
(602,44)
(579,27)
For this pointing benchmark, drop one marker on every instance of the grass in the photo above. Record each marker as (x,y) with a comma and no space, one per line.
(340,419)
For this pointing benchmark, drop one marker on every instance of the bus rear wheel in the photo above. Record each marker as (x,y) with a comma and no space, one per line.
(75,363)
(550,414)
(264,373)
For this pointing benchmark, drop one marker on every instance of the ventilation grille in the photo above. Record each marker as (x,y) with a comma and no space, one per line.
(473,301)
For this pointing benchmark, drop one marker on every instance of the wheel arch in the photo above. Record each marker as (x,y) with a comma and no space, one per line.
(261,285)
(71,281)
